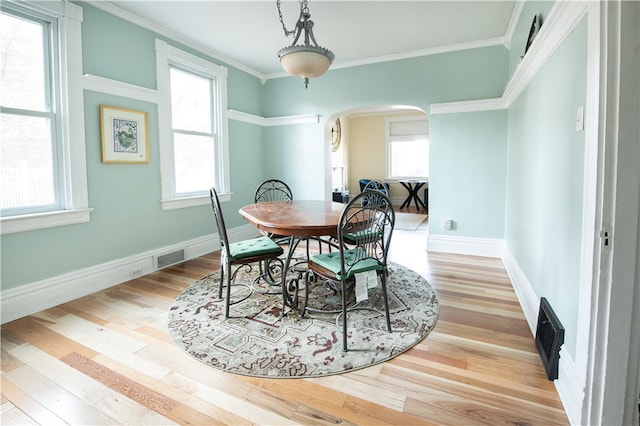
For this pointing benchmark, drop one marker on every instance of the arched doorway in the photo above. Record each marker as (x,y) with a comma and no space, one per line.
(359,143)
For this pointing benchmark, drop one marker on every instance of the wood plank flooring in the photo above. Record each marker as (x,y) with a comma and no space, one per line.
(107,359)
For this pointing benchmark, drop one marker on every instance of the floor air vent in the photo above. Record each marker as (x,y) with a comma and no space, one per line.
(549,338)
(169,259)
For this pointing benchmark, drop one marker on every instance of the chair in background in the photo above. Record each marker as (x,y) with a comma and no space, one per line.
(364,234)
(376,186)
(238,254)
(272,190)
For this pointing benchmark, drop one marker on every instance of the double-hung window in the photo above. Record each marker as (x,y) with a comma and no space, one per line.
(42,155)
(407,147)
(193,128)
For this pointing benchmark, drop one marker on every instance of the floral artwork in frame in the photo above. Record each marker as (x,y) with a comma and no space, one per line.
(125,135)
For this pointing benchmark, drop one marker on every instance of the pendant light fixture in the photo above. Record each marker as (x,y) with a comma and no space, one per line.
(305,60)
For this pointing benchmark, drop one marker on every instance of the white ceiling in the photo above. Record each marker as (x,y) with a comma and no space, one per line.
(248,34)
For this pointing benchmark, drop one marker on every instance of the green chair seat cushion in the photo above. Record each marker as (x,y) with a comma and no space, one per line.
(331,262)
(254,247)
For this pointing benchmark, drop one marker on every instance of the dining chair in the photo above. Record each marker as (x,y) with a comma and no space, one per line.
(376,185)
(272,190)
(241,253)
(368,230)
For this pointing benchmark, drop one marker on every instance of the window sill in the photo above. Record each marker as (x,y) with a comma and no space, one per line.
(31,222)
(200,200)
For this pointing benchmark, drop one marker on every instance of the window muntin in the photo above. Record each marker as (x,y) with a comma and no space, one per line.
(30,147)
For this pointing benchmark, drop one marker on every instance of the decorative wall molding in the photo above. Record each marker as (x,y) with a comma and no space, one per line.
(497,41)
(34,297)
(562,19)
(273,121)
(469,106)
(114,87)
(488,247)
(569,386)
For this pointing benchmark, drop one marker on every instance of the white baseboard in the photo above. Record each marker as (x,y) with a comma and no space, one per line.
(569,385)
(40,295)
(527,297)
(489,247)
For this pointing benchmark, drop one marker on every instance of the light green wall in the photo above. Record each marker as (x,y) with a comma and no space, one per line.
(545,179)
(468,154)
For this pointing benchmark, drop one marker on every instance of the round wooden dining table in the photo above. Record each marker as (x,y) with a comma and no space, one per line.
(296,218)
(299,220)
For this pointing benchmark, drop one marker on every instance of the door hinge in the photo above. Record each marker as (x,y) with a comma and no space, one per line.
(606,235)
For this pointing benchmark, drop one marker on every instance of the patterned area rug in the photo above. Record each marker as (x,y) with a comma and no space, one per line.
(256,342)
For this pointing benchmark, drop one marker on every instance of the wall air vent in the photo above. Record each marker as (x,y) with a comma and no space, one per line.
(549,338)
(169,259)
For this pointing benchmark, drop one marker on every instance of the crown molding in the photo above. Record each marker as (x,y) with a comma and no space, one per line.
(137,20)
(497,41)
(563,18)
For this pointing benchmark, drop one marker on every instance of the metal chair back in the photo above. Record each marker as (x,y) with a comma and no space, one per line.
(273,190)
(369,227)
(222,229)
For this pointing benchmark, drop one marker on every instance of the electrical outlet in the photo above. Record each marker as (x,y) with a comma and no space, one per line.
(447,224)
(135,273)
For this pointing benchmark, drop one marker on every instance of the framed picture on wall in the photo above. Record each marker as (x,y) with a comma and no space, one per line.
(125,135)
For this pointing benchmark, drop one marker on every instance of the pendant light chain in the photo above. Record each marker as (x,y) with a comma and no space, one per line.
(303,6)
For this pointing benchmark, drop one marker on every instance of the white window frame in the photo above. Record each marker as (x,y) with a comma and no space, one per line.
(166,56)
(417,128)
(69,123)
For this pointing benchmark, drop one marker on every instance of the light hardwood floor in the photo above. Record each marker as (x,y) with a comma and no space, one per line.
(107,359)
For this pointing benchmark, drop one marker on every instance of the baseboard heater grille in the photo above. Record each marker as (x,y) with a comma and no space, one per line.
(549,338)
(169,259)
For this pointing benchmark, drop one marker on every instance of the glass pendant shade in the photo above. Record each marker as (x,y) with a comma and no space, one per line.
(305,61)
